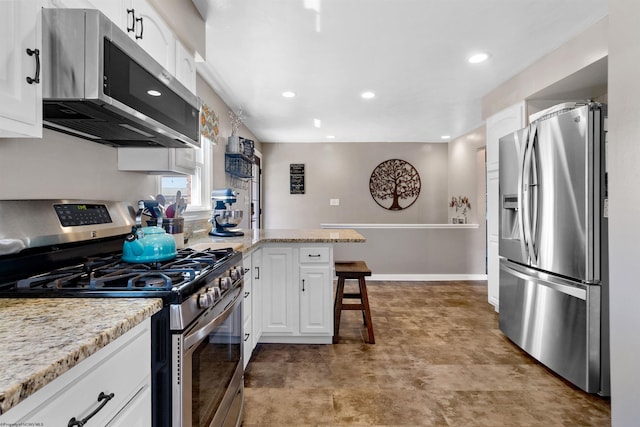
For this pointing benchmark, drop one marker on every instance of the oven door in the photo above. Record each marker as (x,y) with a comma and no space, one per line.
(208,371)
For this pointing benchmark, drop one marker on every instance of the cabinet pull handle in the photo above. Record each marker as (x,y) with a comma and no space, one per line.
(246,294)
(36,78)
(302,285)
(246,270)
(131,12)
(246,336)
(141,28)
(102,396)
(257,272)
(314,256)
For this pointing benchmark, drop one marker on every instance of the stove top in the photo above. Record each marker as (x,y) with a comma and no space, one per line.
(109,276)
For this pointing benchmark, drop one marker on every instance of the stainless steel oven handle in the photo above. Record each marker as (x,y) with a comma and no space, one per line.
(197,335)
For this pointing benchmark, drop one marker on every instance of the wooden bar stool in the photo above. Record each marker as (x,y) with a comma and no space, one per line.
(352,270)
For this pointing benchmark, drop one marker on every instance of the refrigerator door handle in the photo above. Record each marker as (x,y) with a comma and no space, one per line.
(556,283)
(525,188)
(535,194)
(520,203)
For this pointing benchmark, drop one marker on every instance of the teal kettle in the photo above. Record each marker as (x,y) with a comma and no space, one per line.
(148,244)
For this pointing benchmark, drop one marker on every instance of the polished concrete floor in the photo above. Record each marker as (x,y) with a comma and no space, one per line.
(439,360)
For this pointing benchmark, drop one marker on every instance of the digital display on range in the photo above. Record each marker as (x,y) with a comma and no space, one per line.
(73,215)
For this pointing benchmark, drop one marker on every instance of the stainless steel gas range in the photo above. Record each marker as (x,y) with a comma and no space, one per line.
(73,248)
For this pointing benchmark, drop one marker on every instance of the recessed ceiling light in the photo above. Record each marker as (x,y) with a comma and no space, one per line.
(368,95)
(478,57)
(331,137)
(288,94)
(153,92)
(445,137)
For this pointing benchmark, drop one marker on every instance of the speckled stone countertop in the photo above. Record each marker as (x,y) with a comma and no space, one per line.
(43,338)
(252,238)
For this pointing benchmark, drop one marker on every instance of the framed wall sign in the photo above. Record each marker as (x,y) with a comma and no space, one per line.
(296,178)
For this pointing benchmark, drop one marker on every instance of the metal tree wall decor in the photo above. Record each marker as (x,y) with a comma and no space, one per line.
(394,184)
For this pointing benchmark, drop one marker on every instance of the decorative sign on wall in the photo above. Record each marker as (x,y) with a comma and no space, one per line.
(394,184)
(296,178)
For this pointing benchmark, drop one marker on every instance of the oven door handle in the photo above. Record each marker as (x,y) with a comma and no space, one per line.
(197,335)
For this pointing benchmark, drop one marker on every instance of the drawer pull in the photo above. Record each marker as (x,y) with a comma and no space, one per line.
(246,337)
(101,397)
(314,256)
(257,273)
(246,294)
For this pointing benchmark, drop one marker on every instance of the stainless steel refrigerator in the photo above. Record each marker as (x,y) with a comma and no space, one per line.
(553,288)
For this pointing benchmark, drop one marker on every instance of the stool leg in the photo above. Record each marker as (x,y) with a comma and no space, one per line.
(337,308)
(367,311)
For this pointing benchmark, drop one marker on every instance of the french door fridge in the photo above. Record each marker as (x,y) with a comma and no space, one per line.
(553,286)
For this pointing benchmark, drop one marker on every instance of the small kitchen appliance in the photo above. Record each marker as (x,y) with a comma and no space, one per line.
(225,219)
(74,249)
(554,281)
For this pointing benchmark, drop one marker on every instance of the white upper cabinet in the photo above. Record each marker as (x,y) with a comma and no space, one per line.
(20,86)
(185,67)
(154,35)
(139,20)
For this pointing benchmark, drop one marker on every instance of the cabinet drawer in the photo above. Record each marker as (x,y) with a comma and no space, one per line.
(247,344)
(314,255)
(247,303)
(121,368)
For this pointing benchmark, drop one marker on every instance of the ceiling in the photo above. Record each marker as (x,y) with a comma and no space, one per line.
(411,53)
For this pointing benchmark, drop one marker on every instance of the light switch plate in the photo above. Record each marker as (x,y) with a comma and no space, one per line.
(334,202)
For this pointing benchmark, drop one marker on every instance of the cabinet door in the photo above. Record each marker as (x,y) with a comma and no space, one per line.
(20,101)
(154,35)
(137,413)
(279,293)
(316,289)
(256,281)
(185,67)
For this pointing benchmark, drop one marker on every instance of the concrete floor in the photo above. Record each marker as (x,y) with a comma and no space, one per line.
(439,360)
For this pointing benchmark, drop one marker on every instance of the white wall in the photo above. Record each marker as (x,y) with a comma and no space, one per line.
(60,166)
(624,210)
(342,171)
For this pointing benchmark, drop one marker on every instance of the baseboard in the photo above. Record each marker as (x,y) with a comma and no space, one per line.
(425,277)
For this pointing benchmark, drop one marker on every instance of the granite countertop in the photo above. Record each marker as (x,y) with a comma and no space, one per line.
(252,238)
(44,337)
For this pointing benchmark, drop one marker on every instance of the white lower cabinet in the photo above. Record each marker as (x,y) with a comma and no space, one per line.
(297,289)
(256,281)
(247,310)
(122,370)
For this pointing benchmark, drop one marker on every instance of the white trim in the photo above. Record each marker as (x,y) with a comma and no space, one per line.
(425,277)
(396,226)
(296,339)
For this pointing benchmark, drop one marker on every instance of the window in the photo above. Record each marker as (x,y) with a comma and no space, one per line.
(195,189)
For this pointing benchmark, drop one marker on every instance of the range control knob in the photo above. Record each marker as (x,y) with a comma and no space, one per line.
(225,283)
(235,274)
(205,300)
(215,293)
